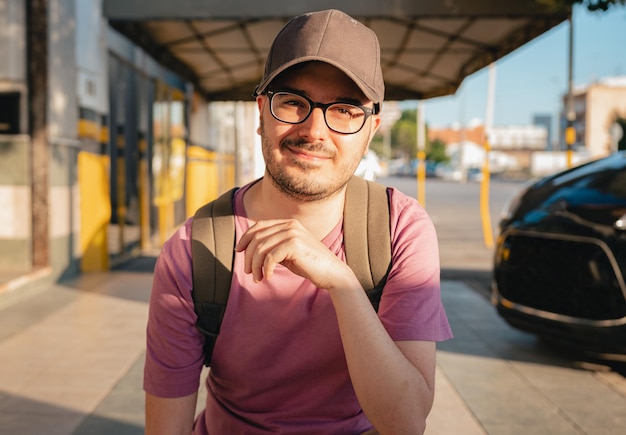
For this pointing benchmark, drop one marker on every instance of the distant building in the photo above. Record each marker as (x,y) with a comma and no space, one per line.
(512,143)
(452,135)
(468,155)
(519,137)
(544,120)
(600,110)
(510,137)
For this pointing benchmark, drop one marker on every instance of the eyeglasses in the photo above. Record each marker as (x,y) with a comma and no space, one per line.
(344,118)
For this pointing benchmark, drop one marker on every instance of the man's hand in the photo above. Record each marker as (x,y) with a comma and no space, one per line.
(399,398)
(287,242)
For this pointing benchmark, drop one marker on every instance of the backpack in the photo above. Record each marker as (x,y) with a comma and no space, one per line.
(366,232)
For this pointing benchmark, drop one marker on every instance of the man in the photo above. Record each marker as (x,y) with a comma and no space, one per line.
(301,350)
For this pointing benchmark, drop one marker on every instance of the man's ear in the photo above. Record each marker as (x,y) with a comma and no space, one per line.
(375,124)
(260,102)
(373,129)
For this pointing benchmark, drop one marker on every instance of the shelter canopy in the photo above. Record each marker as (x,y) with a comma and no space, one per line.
(427,47)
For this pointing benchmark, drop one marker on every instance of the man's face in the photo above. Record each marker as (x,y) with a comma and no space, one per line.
(308,161)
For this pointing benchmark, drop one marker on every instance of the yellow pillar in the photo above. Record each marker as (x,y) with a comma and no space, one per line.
(95,211)
(484,200)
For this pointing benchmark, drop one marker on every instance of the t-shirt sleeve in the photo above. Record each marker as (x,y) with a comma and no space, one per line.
(411,307)
(174,346)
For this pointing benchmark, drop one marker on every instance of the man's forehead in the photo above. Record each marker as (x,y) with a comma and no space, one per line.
(309,76)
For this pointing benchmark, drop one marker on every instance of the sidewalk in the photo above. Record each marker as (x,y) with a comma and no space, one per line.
(72,359)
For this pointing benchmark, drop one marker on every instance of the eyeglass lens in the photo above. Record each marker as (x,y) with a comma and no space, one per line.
(340,117)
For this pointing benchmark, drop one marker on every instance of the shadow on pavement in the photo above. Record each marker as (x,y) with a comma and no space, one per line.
(131,280)
(142,263)
(122,411)
(19,415)
(479,280)
(95,425)
(481,332)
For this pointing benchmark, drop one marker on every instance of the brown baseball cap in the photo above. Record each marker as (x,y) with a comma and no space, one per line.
(333,37)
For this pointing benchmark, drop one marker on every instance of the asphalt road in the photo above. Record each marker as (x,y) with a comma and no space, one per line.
(463,232)
(464,254)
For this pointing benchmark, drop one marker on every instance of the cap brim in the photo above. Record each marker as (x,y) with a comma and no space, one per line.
(367,91)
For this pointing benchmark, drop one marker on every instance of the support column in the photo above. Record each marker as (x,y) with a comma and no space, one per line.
(570,112)
(37,73)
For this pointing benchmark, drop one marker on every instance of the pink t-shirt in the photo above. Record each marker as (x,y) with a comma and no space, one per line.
(278,365)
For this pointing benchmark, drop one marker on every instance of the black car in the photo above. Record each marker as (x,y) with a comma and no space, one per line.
(560,260)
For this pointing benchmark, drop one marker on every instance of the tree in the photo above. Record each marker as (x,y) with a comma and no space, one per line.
(437,151)
(592,5)
(404,139)
(404,135)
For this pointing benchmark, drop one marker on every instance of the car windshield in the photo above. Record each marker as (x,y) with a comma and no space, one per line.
(616,163)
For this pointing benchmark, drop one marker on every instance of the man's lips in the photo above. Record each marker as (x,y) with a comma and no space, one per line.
(311,152)
(307,154)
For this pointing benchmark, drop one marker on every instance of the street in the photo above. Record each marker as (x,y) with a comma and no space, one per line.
(511,382)
(73,355)
(455,210)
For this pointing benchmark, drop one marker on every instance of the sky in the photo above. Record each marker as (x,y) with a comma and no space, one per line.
(532,80)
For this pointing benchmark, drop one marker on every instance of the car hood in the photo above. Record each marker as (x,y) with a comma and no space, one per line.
(592,195)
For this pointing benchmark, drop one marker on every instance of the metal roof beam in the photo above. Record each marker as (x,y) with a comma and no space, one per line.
(139,10)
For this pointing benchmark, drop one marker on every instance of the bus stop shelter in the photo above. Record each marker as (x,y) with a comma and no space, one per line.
(427,47)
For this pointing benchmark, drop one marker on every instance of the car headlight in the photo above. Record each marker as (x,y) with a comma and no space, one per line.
(620,224)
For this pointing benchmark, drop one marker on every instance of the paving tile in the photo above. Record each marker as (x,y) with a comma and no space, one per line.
(450,414)
(27,417)
(58,369)
(516,384)
(77,369)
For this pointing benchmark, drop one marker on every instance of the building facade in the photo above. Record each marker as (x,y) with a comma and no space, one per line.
(600,116)
(510,147)
(103,151)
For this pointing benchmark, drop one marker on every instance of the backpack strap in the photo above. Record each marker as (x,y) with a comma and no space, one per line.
(367,235)
(212,254)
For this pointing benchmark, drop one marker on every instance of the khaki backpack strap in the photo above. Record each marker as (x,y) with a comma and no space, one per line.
(366,234)
(213,241)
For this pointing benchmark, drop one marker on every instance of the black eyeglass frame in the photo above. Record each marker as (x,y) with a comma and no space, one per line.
(368,111)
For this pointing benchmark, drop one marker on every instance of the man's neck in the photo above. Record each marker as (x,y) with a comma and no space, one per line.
(264,201)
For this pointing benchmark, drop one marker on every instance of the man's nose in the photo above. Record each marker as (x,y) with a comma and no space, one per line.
(315,125)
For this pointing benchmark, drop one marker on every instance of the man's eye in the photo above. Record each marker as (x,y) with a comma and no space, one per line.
(292,103)
(296,103)
(347,111)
